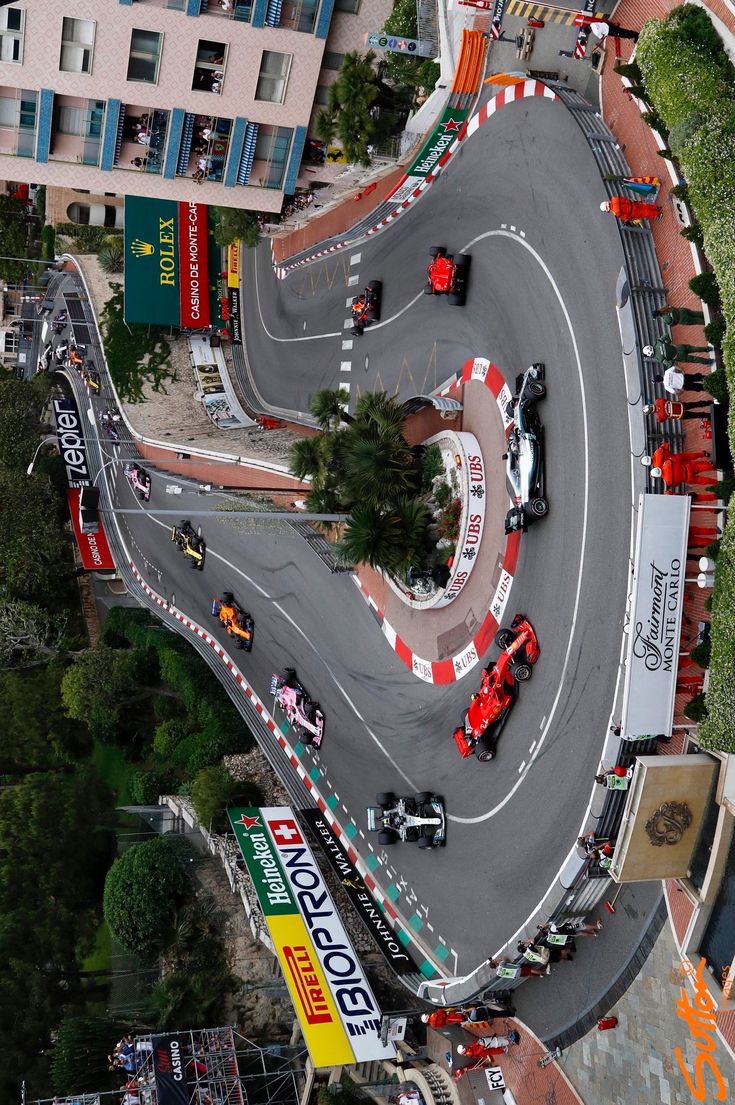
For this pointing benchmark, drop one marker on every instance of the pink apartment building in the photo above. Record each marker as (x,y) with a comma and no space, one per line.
(206,100)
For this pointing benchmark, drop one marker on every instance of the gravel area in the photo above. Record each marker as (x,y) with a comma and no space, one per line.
(173,413)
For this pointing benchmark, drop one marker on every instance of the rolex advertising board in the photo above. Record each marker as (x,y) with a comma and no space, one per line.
(166,270)
(336,1008)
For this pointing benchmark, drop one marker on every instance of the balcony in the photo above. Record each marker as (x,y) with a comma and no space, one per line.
(295,15)
(141,138)
(18,121)
(228,9)
(205,143)
(269,157)
(175,5)
(76,133)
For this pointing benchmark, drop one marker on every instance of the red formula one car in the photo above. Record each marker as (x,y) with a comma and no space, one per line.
(303,714)
(366,307)
(490,707)
(447,275)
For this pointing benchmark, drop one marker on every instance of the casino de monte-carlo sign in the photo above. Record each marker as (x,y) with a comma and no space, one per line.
(166,263)
(654,625)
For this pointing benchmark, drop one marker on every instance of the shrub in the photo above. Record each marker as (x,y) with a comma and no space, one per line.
(723,489)
(702,653)
(716,384)
(681,191)
(48,243)
(433,466)
(714,332)
(653,120)
(143,888)
(630,70)
(168,736)
(695,709)
(214,789)
(135,353)
(704,285)
(694,234)
(112,258)
(145,787)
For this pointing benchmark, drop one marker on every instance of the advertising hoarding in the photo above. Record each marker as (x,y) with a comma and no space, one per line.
(95,551)
(337,1010)
(655,617)
(72,445)
(166,269)
(169,1065)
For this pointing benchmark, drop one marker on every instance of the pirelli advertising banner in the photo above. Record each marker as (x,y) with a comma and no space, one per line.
(338,1014)
(166,270)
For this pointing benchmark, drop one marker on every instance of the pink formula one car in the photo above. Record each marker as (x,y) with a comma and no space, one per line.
(302,713)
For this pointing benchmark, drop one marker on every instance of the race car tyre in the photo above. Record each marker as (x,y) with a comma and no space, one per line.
(241,642)
(423,796)
(437,251)
(504,637)
(227,598)
(387,799)
(537,389)
(510,408)
(141,496)
(289,678)
(538,507)
(455,299)
(428,290)
(426,842)
(387,836)
(194,565)
(412,835)
(462,261)
(521,672)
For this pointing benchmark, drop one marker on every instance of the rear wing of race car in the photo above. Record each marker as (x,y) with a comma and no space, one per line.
(215,608)
(372,820)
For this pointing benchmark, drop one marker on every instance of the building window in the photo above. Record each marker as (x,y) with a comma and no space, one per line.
(351,6)
(209,67)
(271,154)
(11,34)
(273,77)
(77,45)
(145,56)
(331,60)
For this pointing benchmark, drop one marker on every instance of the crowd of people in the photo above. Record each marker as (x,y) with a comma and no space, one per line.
(299,202)
(209,1065)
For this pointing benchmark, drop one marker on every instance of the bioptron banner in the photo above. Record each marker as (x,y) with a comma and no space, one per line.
(338,1013)
(432,151)
(166,270)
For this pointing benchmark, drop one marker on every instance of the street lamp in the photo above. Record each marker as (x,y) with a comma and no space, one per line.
(51,439)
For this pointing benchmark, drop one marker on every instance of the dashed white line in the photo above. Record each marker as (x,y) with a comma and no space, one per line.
(543,722)
(347,343)
(520,769)
(348,302)
(347,324)
(530,751)
(352,281)
(522,233)
(345,385)
(355,258)
(513,229)
(430,928)
(345,366)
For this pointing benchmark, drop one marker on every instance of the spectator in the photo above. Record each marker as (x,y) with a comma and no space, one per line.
(577,928)
(594,845)
(668,353)
(664,409)
(679,316)
(629,210)
(675,381)
(534,953)
(507,969)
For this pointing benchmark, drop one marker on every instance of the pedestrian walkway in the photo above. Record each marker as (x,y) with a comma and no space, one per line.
(637,1060)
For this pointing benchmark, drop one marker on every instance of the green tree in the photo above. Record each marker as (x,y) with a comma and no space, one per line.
(214,789)
(234,225)
(329,408)
(21,403)
(79,1058)
(96,688)
(378,465)
(350,100)
(112,256)
(372,536)
(28,631)
(143,889)
(306,457)
(34,558)
(12,239)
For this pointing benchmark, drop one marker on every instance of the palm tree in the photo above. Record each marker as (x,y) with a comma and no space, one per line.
(413,517)
(380,408)
(376,469)
(306,457)
(329,407)
(372,536)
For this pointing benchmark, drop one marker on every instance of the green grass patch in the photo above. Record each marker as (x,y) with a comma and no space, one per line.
(114,769)
(98,958)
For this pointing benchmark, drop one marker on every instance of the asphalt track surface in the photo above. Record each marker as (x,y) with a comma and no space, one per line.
(522,197)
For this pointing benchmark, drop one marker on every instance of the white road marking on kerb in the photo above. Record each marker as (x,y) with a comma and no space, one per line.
(347,324)
(586,471)
(345,366)
(355,258)
(348,302)
(347,343)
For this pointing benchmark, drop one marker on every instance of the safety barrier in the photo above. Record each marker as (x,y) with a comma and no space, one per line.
(470,65)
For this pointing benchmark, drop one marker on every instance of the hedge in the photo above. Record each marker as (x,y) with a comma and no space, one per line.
(691,84)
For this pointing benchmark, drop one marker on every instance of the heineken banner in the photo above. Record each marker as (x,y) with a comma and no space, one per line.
(338,1014)
(444,133)
(166,271)
(361,898)
(169,1066)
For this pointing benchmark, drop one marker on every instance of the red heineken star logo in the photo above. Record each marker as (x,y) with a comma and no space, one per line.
(248,822)
(453,124)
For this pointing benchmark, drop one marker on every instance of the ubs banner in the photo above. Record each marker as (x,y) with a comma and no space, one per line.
(337,1011)
(655,618)
(166,270)
(360,896)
